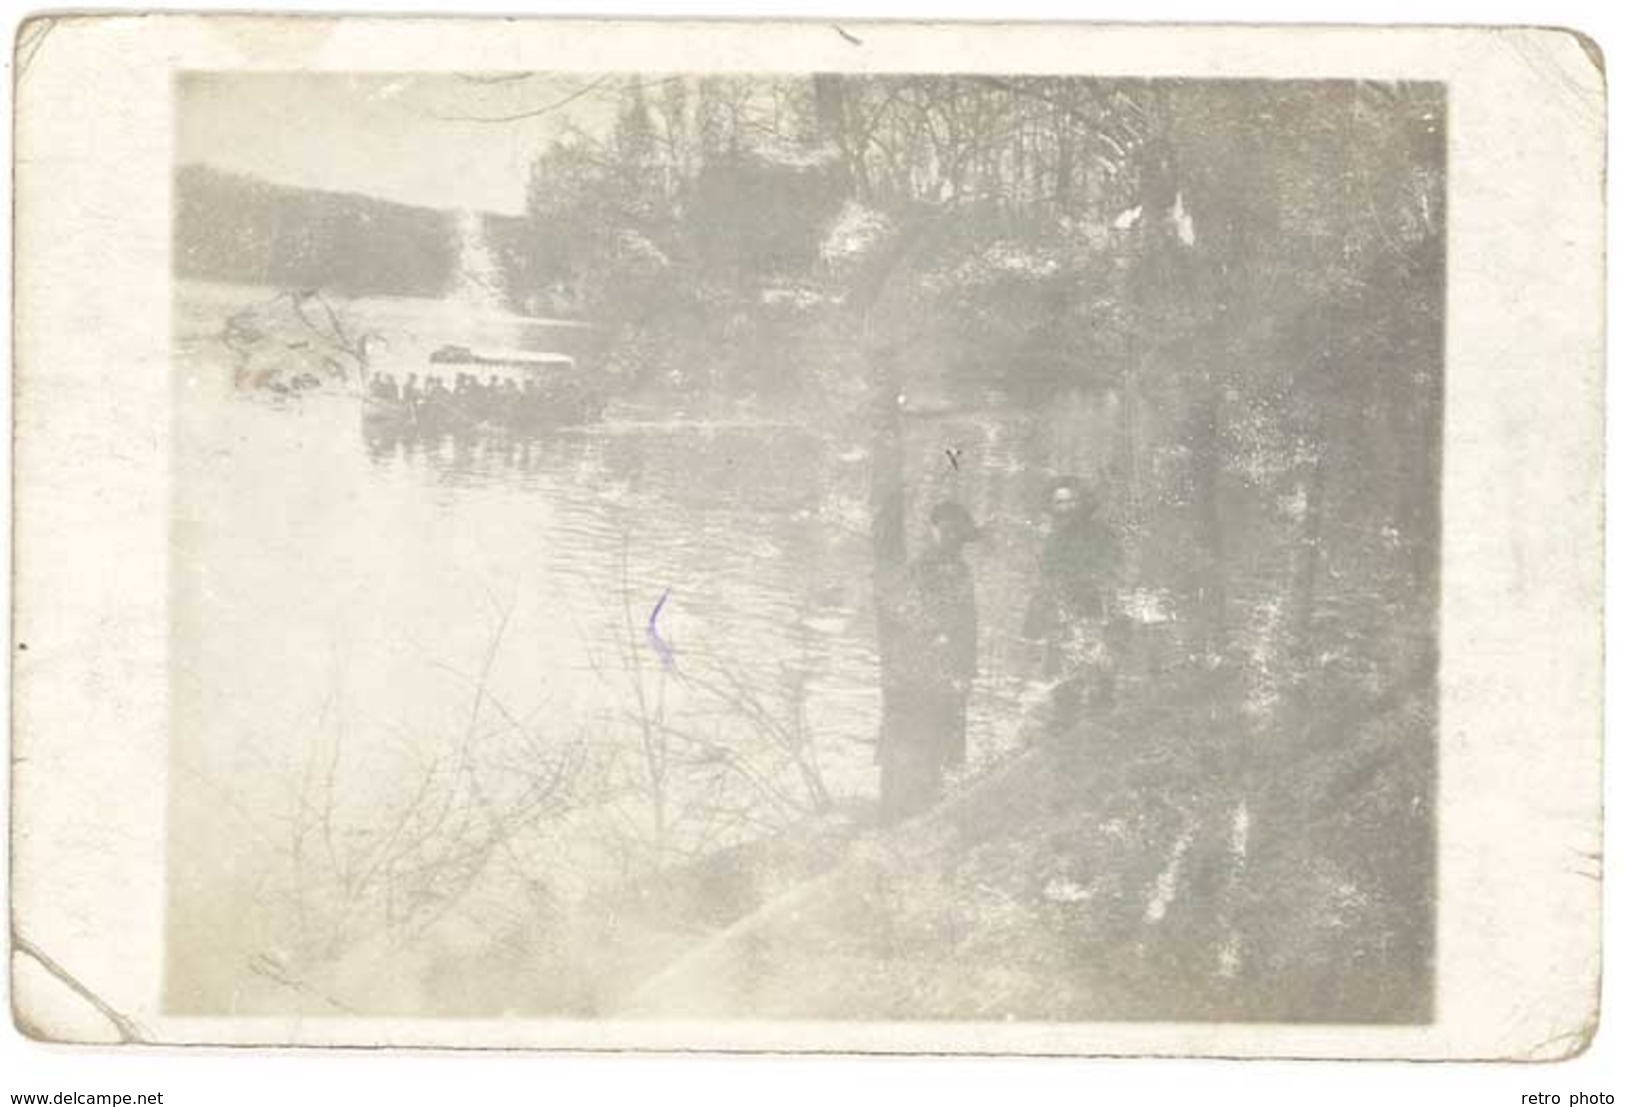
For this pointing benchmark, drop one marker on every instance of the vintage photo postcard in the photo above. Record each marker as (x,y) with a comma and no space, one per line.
(794,536)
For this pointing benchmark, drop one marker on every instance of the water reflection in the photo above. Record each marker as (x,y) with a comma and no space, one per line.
(736,520)
(385,630)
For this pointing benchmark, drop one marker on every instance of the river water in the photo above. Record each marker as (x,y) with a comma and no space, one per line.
(363,623)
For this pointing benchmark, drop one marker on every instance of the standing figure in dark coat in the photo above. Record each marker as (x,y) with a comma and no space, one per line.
(933,629)
(1071,608)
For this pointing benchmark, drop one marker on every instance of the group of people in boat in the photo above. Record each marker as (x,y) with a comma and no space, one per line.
(469,402)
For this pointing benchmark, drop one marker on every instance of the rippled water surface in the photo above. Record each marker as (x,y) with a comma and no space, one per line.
(351,608)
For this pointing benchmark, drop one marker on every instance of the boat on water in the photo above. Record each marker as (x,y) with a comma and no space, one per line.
(464,390)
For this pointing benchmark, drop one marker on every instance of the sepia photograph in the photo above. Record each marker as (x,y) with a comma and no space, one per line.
(807,537)
(820,546)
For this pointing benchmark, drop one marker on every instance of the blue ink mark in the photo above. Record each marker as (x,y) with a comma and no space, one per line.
(657,643)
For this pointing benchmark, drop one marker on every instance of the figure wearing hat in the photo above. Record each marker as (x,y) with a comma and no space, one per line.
(934,631)
(1071,607)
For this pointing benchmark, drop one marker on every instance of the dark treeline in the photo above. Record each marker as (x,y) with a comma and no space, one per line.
(236,228)
(1046,225)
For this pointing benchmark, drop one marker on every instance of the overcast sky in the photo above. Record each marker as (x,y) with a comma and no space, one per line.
(404,137)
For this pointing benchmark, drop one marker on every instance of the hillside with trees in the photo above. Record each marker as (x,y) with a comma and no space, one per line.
(239,229)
